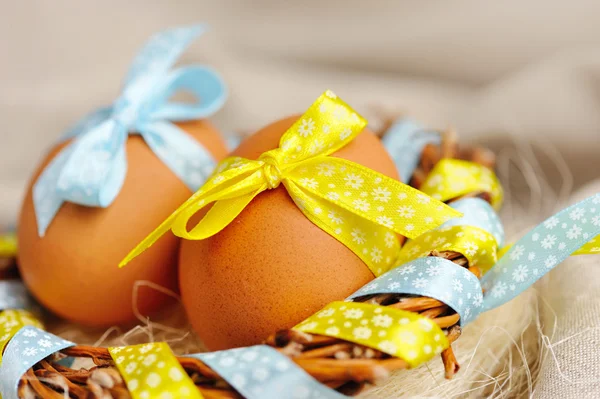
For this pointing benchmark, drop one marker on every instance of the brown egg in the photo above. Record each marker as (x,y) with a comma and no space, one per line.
(73,269)
(271,267)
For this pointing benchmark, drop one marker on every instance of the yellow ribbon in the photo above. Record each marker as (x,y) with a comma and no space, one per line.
(152,371)
(406,335)
(358,206)
(477,245)
(8,245)
(11,321)
(452,178)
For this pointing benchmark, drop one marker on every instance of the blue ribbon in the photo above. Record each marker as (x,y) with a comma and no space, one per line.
(91,170)
(405,141)
(25,349)
(434,277)
(534,255)
(260,372)
(540,250)
(13,295)
(478,213)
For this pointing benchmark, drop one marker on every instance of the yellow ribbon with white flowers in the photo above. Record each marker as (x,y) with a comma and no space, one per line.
(399,333)
(453,178)
(11,321)
(477,245)
(358,206)
(152,371)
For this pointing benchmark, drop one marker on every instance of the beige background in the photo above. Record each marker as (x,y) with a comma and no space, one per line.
(524,67)
(501,72)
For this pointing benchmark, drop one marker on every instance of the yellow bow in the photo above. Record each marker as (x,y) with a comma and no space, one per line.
(358,206)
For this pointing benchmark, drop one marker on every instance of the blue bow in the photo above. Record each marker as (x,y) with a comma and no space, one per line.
(91,170)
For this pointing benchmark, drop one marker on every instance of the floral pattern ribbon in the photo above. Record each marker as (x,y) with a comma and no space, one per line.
(152,371)
(478,213)
(405,141)
(358,206)
(527,261)
(475,244)
(452,178)
(540,250)
(399,333)
(11,321)
(433,277)
(28,346)
(91,170)
(261,372)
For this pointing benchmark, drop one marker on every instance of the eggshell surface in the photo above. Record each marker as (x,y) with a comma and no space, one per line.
(73,270)
(271,267)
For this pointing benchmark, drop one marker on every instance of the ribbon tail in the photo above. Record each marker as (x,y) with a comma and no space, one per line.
(96,168)
(376,245)
(219,186)
(366,193)
(216,219)
(186,157)
(47,201)
(540,250)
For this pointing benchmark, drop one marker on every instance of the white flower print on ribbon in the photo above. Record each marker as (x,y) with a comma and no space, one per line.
(91,170)
(434,277)
(261,372)
(478,213)
(25,349)
(545,246)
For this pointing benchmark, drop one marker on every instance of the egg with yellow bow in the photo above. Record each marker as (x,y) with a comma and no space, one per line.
(271,267)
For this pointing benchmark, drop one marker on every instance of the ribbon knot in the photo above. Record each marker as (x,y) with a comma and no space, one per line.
(271,170)
(356,205)
(91,170)
(127,113)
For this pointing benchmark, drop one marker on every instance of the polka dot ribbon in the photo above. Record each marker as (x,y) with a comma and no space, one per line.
(11,321)
(356,205)
(261,372)
(399,333)
(28,346)
(453,178)
(151,371)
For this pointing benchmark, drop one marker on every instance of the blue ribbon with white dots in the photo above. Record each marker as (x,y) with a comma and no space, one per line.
(25,349)
(261,372)
(91,170)
(534,255)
